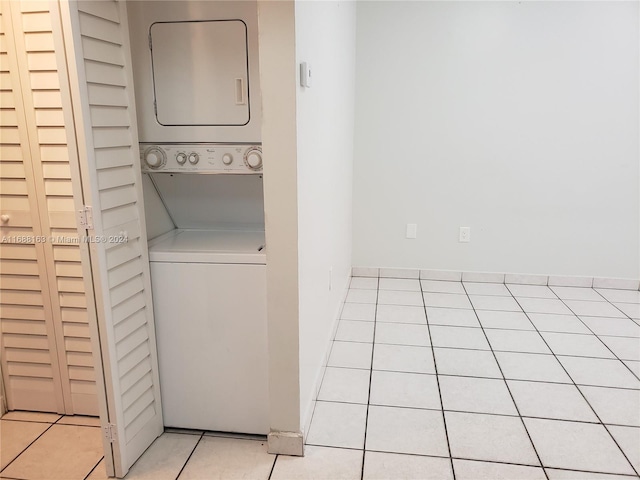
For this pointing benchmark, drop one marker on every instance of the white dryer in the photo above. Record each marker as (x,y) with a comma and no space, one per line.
(195,68)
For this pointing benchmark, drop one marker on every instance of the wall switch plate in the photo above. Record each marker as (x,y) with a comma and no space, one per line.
(305,74)
(465,234)
(412,230)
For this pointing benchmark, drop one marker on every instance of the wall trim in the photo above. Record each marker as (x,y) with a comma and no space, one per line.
(492,277)
(3,403)
(286,443)
(308,415)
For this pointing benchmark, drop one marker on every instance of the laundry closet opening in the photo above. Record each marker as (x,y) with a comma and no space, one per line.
(198,108)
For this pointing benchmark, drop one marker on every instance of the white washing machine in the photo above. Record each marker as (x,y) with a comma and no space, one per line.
(209,286)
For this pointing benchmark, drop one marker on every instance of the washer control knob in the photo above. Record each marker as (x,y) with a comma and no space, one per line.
(253,158)
(194,158)
(227,159)
(155,157)
(181,158)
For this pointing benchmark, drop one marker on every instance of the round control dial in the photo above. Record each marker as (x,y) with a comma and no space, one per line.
(227,159)
(155,157)
(253,158)
(194,158)
(181,158)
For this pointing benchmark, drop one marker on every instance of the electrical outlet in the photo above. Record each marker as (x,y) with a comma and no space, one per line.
(465,234)
(412,230)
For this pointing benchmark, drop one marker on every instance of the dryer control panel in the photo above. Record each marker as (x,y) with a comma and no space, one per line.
(201,158)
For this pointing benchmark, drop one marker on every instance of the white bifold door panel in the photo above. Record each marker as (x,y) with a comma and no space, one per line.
(98,55)
(46,350)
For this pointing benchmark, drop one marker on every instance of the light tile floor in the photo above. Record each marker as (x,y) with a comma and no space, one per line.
(472,380)
(45,446)
(425,380)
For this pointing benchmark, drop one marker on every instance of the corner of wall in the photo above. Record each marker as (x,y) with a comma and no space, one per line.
(276,23)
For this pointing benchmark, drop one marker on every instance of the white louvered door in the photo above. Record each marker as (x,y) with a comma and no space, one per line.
(29,354)
(46,346)
(98,55)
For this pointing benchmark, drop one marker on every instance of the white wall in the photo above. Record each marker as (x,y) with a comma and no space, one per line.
(325,38)
(157,218)
(517,119)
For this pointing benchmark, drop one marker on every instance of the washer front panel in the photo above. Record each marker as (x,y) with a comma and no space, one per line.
(199,158)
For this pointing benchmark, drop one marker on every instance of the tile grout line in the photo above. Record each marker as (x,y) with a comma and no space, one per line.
(615,306)
(631,476)
(328,358)
(30,421)
(94,467)
(614,353)
(373,347)
(25,421)
(598,336)
(479,376)
(273,466)
(324,373)
(404,407)
(576,385)
(189,457)
(482,309)
(489,378)
(435,368)
(28,446)
(479,349)
(524,425)
(633,467)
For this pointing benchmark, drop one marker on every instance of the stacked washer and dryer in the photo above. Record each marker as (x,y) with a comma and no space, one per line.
(198,104)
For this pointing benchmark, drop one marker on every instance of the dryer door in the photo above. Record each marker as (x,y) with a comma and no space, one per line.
(200,72)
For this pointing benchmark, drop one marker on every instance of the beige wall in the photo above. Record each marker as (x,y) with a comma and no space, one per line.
(278,77)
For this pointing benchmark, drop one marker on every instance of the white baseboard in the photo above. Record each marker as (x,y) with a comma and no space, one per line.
(493,277)
(308,415)
(286,443)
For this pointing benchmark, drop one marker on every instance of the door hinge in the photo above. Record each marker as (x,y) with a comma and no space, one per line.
(150,43)
(85,217)
(110,432)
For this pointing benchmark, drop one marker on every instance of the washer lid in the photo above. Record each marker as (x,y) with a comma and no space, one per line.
(209,246)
